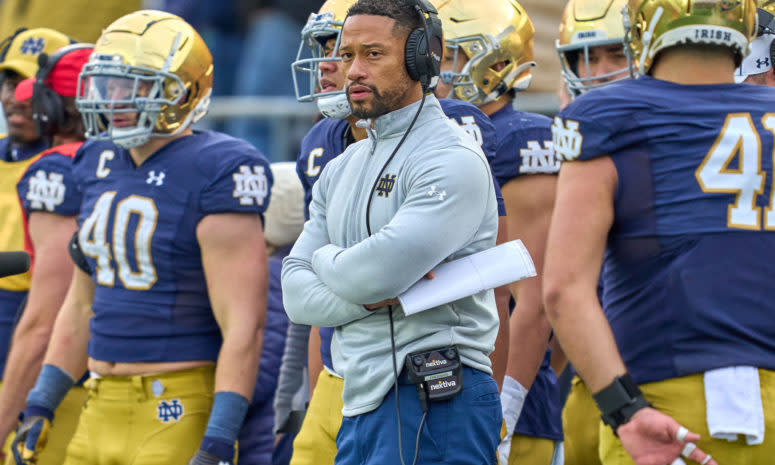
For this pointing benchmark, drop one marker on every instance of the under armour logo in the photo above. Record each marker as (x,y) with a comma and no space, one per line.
(48,191)
(765,62)
(385,186)
(441,195)
(566,139)
(33,46)
(250,185)
(154,178)
(167,411)
(537,159)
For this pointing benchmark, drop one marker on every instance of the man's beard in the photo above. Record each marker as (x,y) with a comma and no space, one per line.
(381,103)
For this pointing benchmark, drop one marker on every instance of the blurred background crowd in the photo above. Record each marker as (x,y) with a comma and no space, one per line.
(253,43)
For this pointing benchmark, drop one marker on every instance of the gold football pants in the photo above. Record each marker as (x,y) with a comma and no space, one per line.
(144,420)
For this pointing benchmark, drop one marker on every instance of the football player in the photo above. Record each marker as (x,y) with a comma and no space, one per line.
(591,49)
(591,44)
(284,222)
(168,303)
(18,149)
(316,442)
(50,201)
(487,61)
(666,183)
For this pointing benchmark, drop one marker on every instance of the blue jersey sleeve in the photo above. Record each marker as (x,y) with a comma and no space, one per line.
(49,186)
(241,183)
(478,126)
(595,124)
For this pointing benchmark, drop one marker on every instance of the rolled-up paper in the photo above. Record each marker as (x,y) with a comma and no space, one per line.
(503,264)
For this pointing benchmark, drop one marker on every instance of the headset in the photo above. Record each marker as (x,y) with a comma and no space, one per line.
(422,57)
(48,109)
(424,47)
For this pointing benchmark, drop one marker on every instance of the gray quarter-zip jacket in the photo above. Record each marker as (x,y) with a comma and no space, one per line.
(434,202)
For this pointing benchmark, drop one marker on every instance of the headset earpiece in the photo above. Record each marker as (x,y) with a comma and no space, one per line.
(48,109)
(425,46)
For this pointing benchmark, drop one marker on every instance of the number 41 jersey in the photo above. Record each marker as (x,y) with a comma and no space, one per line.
(690,259)
(137,228)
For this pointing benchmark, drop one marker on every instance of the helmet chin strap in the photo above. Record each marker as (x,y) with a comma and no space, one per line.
(335,106)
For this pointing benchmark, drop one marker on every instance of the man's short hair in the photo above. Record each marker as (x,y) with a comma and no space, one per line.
(402,11)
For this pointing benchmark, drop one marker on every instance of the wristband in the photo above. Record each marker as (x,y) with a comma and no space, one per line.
(513,396)
(226,417)
(619,401)
(51,387)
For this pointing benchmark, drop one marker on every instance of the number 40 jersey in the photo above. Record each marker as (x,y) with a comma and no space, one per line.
(690,259)
(137,229)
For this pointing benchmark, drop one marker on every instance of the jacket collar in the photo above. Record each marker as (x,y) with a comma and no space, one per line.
(397,122)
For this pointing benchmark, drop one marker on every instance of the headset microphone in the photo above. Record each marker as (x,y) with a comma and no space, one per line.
(12,263)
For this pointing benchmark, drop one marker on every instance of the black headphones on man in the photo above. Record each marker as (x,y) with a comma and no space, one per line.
(48,109)
(425,46)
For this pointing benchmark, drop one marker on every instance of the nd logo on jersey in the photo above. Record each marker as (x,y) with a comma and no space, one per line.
(43,191)
(250,185)
(566,139)
(169,411)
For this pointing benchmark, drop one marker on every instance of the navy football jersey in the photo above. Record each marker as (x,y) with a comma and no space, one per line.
(541,415)
(137,228)
(689,260)
(48,184)
(525,148)
(330,137)
(524,145)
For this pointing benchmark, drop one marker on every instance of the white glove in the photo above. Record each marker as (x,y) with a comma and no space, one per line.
(512,399)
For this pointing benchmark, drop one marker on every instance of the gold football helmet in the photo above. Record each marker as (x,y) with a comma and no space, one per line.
(767,5)
(151,64)
(321,27)
(488,32)
(587,24)
(654,25)
(766,17)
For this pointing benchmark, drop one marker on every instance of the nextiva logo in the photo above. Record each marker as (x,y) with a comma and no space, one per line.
(443,385)
(436,363)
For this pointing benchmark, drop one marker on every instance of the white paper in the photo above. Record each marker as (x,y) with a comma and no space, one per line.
(488,269)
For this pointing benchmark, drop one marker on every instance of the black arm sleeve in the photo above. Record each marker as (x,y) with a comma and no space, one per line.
(77,254)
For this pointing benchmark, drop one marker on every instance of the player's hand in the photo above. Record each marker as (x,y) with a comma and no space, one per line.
(394,301)
(205,458)
(652,438)
(381,304)
(31,437)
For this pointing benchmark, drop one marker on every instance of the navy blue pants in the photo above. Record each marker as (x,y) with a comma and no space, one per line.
(464,430)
